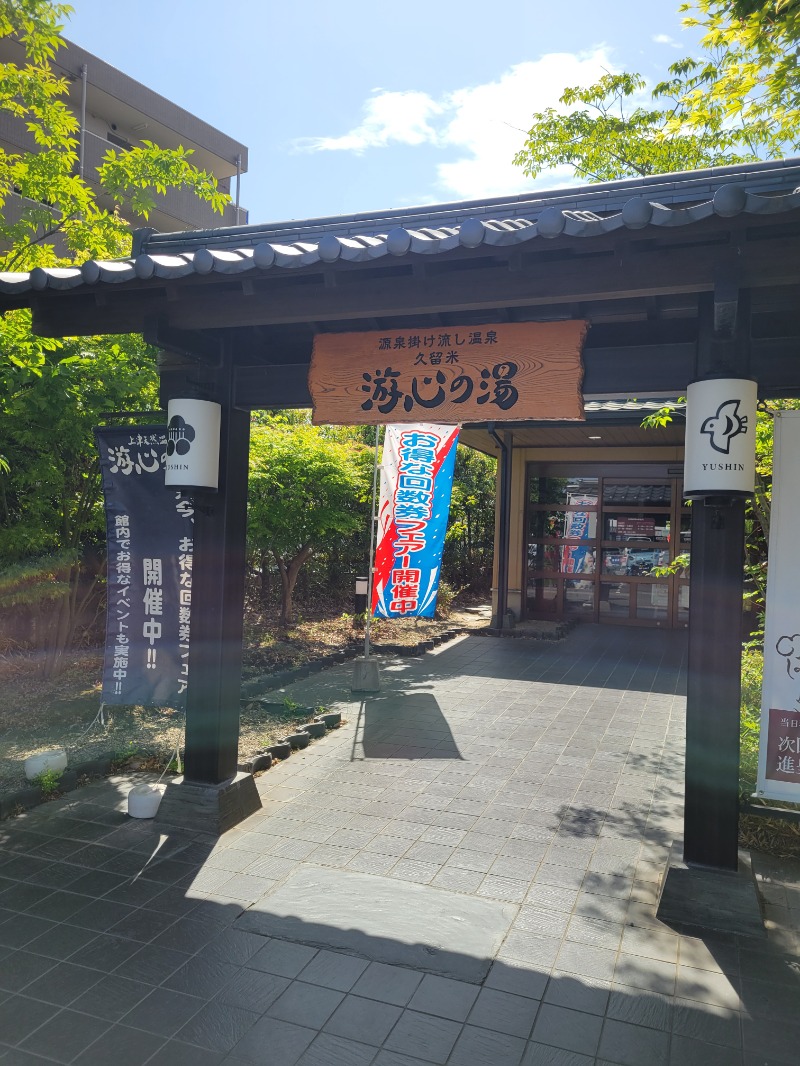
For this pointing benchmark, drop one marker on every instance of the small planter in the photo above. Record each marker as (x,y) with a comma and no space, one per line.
(315,729)
(68,781)
(26,797)
(261,762)
(55,760)
(300,739)
(332,719)
(95,767)
(281,750)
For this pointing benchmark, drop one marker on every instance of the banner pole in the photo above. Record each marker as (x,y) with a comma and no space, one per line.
(371,571)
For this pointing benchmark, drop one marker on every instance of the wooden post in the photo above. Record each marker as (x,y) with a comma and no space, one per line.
(505,444)
(215,656)
(711,814)
(711,819)
(212,796)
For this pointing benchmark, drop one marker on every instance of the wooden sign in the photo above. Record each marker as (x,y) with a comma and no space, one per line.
(504,372)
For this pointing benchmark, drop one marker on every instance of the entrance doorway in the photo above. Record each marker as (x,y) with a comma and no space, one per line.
(595,540)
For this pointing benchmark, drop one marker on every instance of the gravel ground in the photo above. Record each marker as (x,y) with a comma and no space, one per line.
(36,715)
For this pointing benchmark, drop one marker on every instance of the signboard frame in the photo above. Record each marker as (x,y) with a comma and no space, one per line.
(498,372)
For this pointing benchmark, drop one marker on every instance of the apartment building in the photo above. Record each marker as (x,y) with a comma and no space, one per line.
(120,113)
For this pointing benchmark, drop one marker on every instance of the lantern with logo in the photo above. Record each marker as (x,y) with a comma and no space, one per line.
(720,457)
(193,445)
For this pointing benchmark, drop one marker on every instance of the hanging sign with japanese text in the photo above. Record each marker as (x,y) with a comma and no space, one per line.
(416,484)
(779,741)
(149,531)
(492,373)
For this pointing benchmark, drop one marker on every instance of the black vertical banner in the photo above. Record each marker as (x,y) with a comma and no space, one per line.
(149,532)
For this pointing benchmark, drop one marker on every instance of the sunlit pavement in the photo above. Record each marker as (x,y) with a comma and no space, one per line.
(465,873)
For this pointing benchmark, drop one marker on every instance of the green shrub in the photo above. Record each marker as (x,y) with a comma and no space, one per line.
(445,598)
(48,781)
(750,720)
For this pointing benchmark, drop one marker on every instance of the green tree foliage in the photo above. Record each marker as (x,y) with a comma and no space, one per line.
(614,129)
(41,193)
(469,543)
(747,79)
(51,516)
(308,486)
(52,392)
(737,100)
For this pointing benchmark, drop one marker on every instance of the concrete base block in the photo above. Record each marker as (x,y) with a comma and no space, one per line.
(209,808)
(366,677)
(698,901)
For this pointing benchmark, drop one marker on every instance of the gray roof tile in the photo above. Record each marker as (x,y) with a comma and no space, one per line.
(662,201)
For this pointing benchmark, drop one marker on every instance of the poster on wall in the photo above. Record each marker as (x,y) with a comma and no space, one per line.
(779,746)
(149,535)
(579,558)
(416,484)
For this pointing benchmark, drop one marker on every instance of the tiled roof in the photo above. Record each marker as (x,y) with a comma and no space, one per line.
(663,202)
(632,406)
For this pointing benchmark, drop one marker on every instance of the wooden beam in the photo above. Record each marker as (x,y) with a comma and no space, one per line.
(613,371)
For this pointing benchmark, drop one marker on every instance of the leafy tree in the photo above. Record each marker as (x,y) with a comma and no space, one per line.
(738,100)
(469,542)
(611,130)
(748,75)
(51,516)
(41,195)
(51,392)
(306,487)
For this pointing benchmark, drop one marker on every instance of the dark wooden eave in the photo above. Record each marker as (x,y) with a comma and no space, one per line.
(666,289)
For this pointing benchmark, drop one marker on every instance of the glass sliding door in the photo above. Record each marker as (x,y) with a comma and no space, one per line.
(636,542)
(595,546)
(562,543)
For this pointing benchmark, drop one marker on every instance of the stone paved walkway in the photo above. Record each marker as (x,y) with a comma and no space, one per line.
(534,787)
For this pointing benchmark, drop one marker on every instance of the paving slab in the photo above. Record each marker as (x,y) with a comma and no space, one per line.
(384,920)
(532,788)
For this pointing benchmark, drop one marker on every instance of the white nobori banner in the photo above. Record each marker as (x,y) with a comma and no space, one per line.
(779,749)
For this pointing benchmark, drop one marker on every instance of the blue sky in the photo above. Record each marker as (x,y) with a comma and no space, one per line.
(359,106)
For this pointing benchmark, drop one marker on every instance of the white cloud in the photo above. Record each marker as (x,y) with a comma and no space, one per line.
(487,123)
(389,117)
(480,127)
(664,38)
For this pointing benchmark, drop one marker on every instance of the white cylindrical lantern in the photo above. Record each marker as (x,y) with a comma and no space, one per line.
(720,438)
(144,800)
(192,444)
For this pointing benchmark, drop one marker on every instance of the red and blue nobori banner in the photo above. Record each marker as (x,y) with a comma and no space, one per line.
(416,483)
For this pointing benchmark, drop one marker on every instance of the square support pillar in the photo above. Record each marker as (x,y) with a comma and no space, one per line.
(209,794)
(215,655)
(711,819)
